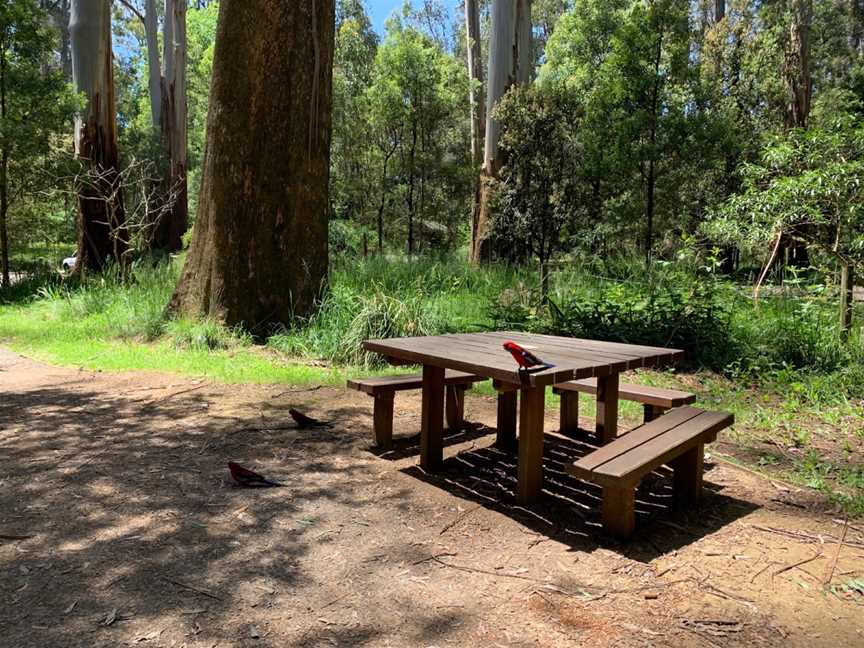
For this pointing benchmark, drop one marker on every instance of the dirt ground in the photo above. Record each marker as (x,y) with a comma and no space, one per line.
(118,527)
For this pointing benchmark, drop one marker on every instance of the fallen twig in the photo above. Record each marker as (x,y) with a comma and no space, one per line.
(782,570)
(458,519)
(837,553)
(11,536)
(804,537)
(297,391)
(191,588)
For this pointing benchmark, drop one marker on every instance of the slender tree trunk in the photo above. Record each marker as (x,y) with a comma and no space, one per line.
(4,174)
(259,252)
(719,10)
(799,85)
(101,219)
(847,297)
(651,178)
(478,112)
(507,63)
(796,65)
(168,234)
(409,198)
(154,65)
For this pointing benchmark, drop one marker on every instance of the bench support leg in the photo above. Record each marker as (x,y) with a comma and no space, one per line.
(569,413)
(619,510)
(382,420)
(507,409)
(455,406)
(688,470)
(531,444)
(607,409)
(432,419)
(652,412)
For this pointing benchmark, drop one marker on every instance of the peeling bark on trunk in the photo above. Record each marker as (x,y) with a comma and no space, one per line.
(101,220)
(509,61)
(154,71)
(259,252)
(799,84)
(478,111)
(796,65)
(168,234)
(4,176)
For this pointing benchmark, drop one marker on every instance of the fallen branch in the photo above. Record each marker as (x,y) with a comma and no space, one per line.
(191,588)
(837,553)
(458,519)
(782,570)
(805,537)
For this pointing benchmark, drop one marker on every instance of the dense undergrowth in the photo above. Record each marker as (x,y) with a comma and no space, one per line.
(795,385)
(791,337)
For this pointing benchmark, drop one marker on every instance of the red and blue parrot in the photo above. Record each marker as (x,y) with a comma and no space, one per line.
(527,361)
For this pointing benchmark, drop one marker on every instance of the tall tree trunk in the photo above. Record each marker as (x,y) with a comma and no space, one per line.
(847,297)
(507,63)
(154,65)
(168,234)
(719,10)
(799,85)
(651,177)
(4,172)
(796,65)
(478,112)
(101,219)
(259,252)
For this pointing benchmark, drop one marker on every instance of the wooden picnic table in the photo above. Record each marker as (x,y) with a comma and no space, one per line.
(482,354)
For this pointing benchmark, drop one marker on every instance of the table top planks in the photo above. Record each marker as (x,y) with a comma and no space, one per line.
(483,355)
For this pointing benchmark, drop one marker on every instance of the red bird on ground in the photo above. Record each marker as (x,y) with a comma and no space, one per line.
(249,478)
(527,361)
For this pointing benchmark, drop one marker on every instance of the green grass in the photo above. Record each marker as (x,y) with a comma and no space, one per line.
(795,387)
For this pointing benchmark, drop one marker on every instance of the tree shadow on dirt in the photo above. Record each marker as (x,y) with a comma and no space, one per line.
(409,446)
(569,509)
(117,512)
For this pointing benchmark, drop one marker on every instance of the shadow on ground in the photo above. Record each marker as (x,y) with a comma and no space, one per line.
(116,511)
(569,509)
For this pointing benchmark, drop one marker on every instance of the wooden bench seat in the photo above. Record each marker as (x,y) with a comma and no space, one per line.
(655,400)
(677,438)
(384,388)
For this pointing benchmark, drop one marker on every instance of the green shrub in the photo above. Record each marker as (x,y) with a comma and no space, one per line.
(205,335)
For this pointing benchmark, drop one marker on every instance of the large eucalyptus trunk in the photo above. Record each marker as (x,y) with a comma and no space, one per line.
(510,61)
(259,252)
(168,234)
(478,112)
(101,220)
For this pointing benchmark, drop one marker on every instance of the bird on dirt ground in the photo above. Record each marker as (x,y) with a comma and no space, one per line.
(304,421)
(249,478)
(527,361)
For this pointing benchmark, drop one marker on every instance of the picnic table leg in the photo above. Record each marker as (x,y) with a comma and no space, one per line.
(382,415)
(569,416)
(530,444)
(687,476)
(432,419)
(607,408)
(455,406)
(506,422)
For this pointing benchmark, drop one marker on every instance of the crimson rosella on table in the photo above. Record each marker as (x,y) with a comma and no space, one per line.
(249,478)
(527,361)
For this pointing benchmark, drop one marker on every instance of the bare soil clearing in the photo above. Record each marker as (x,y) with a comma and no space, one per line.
(118,527)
